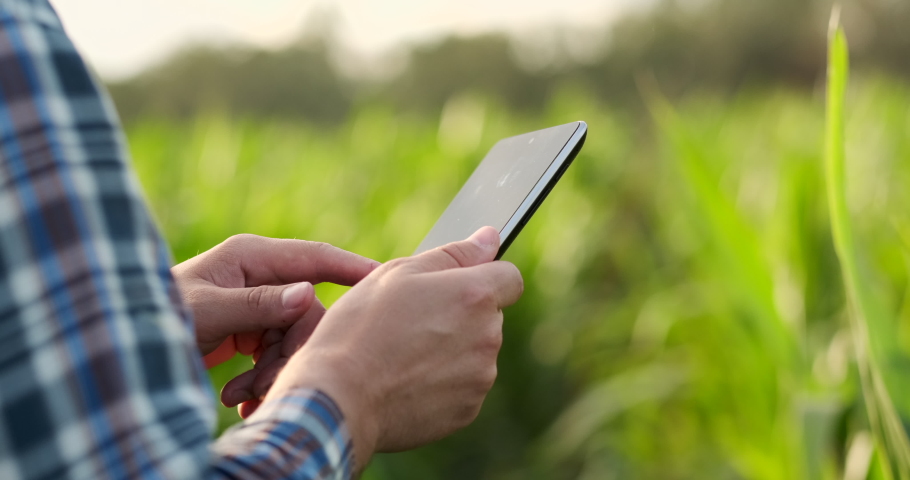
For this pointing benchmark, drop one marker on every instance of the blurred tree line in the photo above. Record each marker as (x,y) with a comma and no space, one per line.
(717,45)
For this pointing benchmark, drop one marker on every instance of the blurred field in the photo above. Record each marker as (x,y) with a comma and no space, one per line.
(684,315)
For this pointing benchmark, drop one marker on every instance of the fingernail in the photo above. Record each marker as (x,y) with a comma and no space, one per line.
(485,237)
(239,396)
(293,296)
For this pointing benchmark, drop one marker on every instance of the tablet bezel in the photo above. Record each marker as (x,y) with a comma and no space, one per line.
(542,188)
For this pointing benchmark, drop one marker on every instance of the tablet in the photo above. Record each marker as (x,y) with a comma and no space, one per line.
(508,186)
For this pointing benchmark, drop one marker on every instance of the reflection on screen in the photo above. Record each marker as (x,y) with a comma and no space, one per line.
(499,185)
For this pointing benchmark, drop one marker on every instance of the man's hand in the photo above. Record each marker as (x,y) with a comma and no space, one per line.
(249,284)
(277,345)
(409,354)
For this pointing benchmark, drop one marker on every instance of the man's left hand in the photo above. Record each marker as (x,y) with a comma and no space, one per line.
(249,284)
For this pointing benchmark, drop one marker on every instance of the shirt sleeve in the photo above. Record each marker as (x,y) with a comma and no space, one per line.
(99,372)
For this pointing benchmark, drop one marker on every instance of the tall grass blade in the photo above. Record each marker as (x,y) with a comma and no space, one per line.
(868,323)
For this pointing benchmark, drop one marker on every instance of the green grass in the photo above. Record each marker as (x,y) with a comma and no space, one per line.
(874,336)
(686,312)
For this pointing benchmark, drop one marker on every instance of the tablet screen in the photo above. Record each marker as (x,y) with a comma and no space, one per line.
(499,185)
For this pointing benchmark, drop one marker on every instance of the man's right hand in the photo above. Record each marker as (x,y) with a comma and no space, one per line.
(409,353)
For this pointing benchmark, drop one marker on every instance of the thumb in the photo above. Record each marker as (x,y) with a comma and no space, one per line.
(241,310)
(479,248)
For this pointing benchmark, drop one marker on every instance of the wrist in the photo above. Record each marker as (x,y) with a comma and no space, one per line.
(338,379)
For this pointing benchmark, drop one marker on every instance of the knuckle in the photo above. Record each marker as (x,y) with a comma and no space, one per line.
(456,251)
(512,276)
(195,296)
(484,375)
(478,296)
(238,241)
(321,248)
(493,342)
(517,278)
(257,297)
(230,251)
(394,264)
(488,378)
(392,272)
(468,414)
(321,251)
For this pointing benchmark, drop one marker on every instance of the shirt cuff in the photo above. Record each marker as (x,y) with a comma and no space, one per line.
(301,435)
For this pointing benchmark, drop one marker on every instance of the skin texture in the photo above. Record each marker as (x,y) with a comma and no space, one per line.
(409,353)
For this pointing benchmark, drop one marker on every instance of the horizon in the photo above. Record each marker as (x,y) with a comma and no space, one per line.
(134,36)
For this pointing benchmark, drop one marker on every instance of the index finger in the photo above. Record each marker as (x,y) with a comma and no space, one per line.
(502,278)
(274,261)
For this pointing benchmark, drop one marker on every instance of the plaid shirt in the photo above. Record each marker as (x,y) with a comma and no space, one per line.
(99,372)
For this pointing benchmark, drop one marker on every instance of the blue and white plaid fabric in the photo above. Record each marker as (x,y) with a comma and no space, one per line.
(99,372)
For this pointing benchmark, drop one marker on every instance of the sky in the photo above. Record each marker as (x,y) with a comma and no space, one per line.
(122,37)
